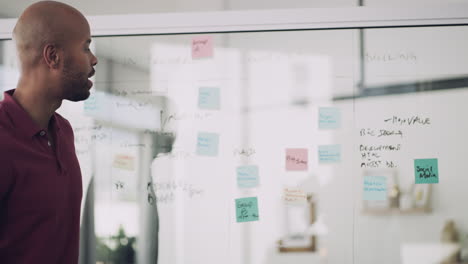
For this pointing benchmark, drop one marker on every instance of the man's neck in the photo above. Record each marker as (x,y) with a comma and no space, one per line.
(37,105)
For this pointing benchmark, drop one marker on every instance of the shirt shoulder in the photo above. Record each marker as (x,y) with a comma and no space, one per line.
(63,123)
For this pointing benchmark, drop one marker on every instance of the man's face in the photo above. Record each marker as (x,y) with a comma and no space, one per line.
(78,66)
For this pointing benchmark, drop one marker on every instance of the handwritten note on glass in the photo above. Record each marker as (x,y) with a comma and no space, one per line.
(375,188)
(294,196)
(426,171)
(329,153)
(247,176)
(207,144)
(329,118)
(208,98)
(202,47)
(296,159)
(247,209)
(124,162)
(94,103)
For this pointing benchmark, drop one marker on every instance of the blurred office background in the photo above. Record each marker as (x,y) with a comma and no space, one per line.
(149,196)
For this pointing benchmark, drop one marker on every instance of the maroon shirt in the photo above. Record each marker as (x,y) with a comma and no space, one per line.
(40,189)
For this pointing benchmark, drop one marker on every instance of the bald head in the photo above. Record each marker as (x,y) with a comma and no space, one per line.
(45,23)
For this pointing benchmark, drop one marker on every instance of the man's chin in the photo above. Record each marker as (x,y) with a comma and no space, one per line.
(79,97)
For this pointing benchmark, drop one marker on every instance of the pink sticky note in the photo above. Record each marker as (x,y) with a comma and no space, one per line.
(202,47)
(296,159)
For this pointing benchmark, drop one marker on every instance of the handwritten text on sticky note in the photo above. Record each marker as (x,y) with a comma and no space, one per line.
(208,98)
(247,209)
(247,176)
(329,118)
(426,171)
(375,188)
(329,153)
(94,103)
(124,162)
(295,196)
(296,159)
(207,144)
(202,47)
(91,104)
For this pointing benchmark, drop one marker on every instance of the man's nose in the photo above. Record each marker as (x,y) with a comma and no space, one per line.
(94,61)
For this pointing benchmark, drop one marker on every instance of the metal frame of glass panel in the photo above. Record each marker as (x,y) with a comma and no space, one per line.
(267,20)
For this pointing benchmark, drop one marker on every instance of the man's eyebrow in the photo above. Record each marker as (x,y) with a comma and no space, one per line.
(88,41)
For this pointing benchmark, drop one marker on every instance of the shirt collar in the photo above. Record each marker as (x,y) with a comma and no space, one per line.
(21,119)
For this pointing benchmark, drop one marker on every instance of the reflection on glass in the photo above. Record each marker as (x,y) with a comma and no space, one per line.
(169,138)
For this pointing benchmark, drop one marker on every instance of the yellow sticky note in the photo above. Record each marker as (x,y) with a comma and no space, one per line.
(294,195)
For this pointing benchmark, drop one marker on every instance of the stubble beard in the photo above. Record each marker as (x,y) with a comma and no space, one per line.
(75,84)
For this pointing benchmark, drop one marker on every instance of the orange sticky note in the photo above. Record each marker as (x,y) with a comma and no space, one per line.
(202,47)
(296,159)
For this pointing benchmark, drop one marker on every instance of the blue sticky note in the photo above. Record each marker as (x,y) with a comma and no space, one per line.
(207,144)
(329,153)
(247,176)
(329,118)
(208,98)
(375,188)
(91,104)
(426,171)
(247,209)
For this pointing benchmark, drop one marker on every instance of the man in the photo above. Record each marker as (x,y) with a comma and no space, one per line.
(40,178)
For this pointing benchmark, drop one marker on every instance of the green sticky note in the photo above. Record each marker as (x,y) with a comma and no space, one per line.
(247,209)
(426,171)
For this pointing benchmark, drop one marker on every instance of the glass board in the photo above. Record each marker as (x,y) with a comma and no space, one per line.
(326,146)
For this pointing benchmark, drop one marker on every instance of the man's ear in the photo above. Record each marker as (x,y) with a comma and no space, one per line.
(52,56)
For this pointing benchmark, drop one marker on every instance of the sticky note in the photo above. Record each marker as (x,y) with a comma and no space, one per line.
(426,171)
(294,196)
(247,209)
(124,162)
(375,188)
(202,47)
(247,176)
(207,144)
(329,118)
(91,104)
(208,98)
(329,153)
(296,159)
